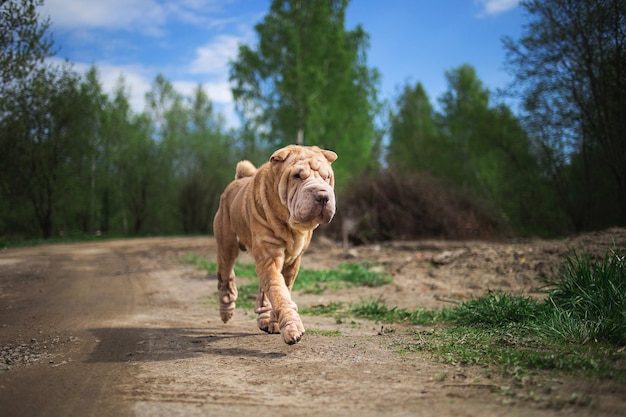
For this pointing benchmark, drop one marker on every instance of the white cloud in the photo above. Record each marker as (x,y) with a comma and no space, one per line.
(213,57)
(220,95)
(218,92)
(138,81)
(493,7)
(145,16)
(86,22)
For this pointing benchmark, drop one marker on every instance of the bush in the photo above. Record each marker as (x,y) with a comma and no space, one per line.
(589,299)
(387,206)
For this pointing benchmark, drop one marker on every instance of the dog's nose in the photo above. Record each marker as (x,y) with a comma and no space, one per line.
(322,197)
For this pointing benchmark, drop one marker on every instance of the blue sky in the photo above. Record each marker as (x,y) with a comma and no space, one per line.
(192,41)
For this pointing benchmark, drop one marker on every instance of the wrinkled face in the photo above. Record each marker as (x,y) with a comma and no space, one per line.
(306,185)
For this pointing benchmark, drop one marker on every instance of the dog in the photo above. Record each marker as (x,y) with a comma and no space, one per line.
(272,212)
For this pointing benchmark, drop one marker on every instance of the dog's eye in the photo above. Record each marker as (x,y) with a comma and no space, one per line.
(297,176)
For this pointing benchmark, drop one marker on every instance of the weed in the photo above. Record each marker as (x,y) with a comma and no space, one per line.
(580,327)
(588,302)
(327,310)
(327,333)
(375,310)
(348,275)
(308,280)
(497,309)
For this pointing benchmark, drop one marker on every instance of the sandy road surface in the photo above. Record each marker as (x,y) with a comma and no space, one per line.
(125,328)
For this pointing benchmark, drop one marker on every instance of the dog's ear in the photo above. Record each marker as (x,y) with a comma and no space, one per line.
(280,155)
(329,155)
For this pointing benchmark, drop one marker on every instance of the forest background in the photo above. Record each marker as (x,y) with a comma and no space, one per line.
(77,161)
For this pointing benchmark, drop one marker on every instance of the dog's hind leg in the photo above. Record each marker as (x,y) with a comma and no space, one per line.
(266,320)
(227,251)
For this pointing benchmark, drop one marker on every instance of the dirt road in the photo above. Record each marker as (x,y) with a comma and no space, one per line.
(126,328)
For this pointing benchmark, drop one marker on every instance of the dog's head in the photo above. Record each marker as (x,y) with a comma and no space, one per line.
(305,184)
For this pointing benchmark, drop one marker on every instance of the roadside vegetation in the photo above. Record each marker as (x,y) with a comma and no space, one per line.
(308,281)
(579,327)
(78,160)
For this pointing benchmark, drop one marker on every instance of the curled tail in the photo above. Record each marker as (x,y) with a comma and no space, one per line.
(244,169)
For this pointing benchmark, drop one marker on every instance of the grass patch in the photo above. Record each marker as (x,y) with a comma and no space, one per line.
(327,310)
(326,333)
(375,310)
(580,327)
(308,280)
(516,353)
(588,300)
(347,275)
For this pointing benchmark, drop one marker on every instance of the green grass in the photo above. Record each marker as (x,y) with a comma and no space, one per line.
(308,280)
(348,275)
(326,333)
(377,311)
(329,310)
(588,301)
(580,326)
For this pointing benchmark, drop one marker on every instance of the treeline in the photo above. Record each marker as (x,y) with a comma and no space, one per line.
(78,161)
(74,160)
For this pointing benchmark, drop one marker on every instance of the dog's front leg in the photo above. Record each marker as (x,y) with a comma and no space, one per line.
(284,310)
(267,319)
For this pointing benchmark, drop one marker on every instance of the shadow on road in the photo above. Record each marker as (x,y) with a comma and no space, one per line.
(159,344)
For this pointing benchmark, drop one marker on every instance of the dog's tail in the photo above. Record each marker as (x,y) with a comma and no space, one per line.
(244,169)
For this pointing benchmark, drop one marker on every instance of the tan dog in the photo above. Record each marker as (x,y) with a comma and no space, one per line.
(272,212)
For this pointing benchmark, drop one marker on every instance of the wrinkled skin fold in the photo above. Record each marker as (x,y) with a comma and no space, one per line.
(272,212)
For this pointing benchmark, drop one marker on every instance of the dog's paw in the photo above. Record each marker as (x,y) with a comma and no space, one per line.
(266,323)
(227,303)
(292,332)
(227,311)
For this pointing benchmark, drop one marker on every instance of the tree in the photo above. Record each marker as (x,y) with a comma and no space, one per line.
(24,43)
(209,165)
(476,147)
(570,70)
(465,120)
(307,82)
(414,135)
(43,153)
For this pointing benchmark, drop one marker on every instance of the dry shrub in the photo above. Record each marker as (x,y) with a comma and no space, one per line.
(389,206)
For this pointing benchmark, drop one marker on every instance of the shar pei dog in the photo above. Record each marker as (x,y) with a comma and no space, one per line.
(272,212)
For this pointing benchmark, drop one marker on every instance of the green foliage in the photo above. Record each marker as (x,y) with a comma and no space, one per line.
(415,138)
(588,302)
(579,327)
(377,311)
(306,81)
(348,275)
(74,160)
(326,333)
(45,160)
(569,66)
(472,145)
(326,310)
(308,280)
(24,44)
(497,310)
(515,352)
